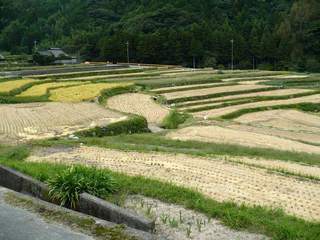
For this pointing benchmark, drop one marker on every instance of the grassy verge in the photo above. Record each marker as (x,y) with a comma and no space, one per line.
(273,223)
(306,107)
(158,143)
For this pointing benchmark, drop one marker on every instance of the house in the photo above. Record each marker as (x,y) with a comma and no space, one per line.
(58,56)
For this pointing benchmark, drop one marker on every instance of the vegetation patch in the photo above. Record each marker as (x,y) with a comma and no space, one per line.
(67,185)
(135,124)
(174,119)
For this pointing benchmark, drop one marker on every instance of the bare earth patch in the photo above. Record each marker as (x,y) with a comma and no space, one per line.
(45,120)
(216,178)
(223,111)
(185,224)
(140,104)
(231,136)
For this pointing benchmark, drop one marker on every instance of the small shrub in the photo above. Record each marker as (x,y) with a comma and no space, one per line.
(136,124)
(174,119)
(69,184)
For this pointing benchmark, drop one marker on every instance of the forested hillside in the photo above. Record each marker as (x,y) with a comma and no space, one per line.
(278,34)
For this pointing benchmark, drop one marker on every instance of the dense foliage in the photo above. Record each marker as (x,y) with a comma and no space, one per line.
(275,34)
(66,186)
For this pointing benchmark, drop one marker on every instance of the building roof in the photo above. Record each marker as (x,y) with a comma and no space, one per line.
(56,52)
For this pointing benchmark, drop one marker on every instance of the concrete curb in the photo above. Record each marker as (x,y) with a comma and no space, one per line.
(88,204)
(141,235)
(99,208)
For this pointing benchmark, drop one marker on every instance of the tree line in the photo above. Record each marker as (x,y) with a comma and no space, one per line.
(269,34)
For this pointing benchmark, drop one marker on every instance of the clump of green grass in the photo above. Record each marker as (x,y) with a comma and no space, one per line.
(174,119)
(67,185)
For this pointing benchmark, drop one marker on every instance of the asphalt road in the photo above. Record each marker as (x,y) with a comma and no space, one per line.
(20,224)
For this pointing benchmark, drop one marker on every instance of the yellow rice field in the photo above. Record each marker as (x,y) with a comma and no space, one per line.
(82,92)
(42,89)
(8,86)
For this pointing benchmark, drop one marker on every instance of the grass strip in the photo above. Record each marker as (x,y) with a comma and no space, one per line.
(271,222)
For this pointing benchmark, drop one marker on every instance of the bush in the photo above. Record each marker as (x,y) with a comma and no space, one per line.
(174,119)
(69,184)
(136,124)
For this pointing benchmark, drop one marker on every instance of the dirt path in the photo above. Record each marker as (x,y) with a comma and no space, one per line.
(231,136)
(140,104)
(223,111)
(45,120)
(217,178)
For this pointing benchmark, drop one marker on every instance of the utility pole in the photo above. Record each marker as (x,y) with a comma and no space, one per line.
(253,63)
(128,52)
(35,45)
(232,54)
(194,63)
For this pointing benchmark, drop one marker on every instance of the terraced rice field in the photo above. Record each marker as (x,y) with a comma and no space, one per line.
(7,86)
(290,120)
(214,90)
(217,178)
(82,92)
(230,136)
(21,122)
(140,104)
(226,110)
(219,100)
(42,89)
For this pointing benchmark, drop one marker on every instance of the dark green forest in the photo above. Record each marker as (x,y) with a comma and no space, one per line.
(275,34)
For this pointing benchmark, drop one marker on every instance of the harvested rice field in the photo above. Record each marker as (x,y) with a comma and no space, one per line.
(42,89)
(226,110)
(20,122)
(230,136)
(214,90)
(290,120)
(82,92)
(265,158)
(7,86)
(216,178)
(220,100)
(140,104)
